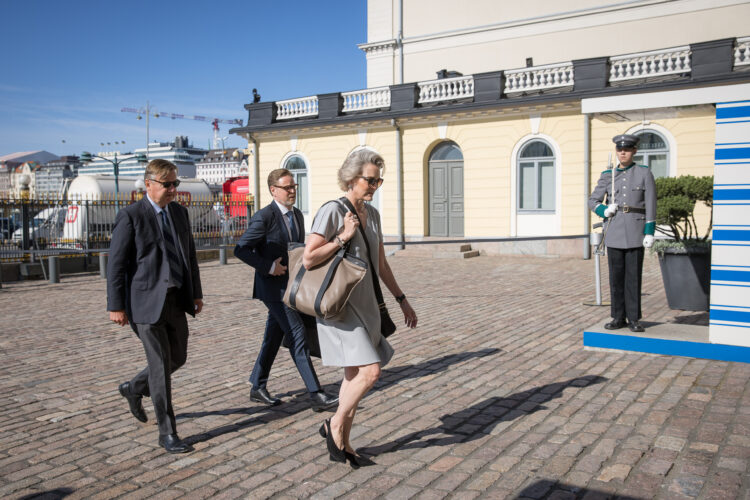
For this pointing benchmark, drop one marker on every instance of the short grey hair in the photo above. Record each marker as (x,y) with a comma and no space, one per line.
(355,163)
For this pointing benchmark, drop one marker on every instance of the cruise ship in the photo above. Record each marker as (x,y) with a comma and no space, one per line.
(179,152)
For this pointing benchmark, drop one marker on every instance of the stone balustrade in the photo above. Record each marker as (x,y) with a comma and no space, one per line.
(297,108)
(446,89)
(699,61)
(650,64)
(360,100)
(539,77)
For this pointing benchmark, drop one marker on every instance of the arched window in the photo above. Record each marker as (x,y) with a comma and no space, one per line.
(536,177)
(653,151)
(297,166)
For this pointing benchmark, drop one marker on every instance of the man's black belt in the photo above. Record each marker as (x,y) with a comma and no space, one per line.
(627,209)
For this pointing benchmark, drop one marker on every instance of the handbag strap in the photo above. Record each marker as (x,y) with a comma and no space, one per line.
(375,277)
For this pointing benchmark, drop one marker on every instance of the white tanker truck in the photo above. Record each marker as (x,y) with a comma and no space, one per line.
(93,205)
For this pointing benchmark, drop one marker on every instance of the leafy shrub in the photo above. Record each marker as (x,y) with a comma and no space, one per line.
(676,198)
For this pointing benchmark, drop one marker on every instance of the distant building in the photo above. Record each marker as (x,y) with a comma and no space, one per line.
(36,156)
(219,165)
(50,177)
(179,152)
(10,162)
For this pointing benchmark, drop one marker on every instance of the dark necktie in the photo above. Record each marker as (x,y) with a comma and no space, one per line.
(292,229)
(175,267)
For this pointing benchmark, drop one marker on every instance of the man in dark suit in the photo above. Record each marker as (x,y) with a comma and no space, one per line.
(152,281)
(264,246)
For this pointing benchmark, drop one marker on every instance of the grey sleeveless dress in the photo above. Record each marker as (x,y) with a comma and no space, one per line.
(353,337)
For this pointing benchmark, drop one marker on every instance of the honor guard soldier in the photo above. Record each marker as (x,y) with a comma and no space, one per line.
(629,218)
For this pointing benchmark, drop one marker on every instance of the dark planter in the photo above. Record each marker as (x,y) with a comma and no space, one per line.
(687,277)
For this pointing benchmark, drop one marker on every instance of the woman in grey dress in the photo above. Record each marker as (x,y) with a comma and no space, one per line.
(353,339)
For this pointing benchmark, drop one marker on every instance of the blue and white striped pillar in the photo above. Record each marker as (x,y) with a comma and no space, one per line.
(730,250)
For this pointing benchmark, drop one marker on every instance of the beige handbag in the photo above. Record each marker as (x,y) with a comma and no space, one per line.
(324,290)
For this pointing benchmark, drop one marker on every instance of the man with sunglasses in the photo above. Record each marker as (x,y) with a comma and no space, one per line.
(264,246)
(152,281)
(630,216)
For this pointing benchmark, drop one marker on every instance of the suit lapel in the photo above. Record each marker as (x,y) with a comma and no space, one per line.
(300,225)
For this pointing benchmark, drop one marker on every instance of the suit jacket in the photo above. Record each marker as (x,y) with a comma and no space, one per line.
(138,270)
(634,187)
(265,240)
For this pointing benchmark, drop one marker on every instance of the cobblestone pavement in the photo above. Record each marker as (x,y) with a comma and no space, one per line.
(493,396)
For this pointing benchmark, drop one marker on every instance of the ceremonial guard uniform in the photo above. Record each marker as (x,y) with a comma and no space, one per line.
(629,216)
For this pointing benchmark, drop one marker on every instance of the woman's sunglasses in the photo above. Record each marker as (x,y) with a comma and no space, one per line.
(373,182)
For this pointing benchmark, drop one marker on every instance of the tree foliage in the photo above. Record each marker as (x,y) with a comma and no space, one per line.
(676,199)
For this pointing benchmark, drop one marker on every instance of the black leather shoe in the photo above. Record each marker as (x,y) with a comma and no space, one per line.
(261,396)
(616,324)
(322,401)
(134,401)
(636,327)
(335,453)
(174,444)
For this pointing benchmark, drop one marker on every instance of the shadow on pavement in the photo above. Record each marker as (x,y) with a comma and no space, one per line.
(548,488)
(390,376)
(479,419)
(264,414)
(55,494)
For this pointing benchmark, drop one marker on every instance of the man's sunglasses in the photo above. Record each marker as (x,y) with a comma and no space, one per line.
(289,188)
(167,184)
(374,182)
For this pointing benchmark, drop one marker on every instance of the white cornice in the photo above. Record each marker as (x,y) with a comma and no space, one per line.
(376,47)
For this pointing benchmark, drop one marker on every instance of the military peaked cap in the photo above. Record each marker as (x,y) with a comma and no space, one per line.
(626,141)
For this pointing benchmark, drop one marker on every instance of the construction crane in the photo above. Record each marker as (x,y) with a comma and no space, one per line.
(149,111)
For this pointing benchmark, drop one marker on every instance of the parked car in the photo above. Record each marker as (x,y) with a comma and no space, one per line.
(46,226)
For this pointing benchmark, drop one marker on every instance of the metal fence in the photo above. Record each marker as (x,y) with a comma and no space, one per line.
(40,226)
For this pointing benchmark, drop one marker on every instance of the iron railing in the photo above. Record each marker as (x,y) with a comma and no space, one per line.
(84,225)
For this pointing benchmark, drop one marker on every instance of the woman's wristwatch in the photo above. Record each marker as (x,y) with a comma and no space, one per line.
(401,298)
(340,242)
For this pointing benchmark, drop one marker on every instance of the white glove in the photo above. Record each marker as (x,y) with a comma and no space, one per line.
(648,240)
(610,210)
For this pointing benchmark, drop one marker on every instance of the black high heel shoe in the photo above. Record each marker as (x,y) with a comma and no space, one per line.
(335,453)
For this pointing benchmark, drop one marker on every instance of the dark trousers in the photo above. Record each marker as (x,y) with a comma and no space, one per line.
(625,272)
(165,343)
(282,320)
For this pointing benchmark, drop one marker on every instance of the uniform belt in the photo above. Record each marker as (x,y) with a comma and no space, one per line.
(627,209)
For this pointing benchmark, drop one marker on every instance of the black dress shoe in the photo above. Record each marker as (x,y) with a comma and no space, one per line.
(261,396)
(174,444)
(636,327)
(616,324)
(134,401)
(322,401)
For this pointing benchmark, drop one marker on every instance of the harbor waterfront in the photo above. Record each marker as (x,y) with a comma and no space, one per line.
(492,396)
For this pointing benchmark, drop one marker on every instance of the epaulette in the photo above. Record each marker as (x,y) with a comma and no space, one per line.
(609,170)
(644,166)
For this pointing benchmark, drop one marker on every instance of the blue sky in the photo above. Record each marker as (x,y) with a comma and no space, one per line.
(68,67)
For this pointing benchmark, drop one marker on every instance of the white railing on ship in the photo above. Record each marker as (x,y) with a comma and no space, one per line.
(539,77)
(297,108)
(650,64)
(446,89)
(360,100)
(742,51)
